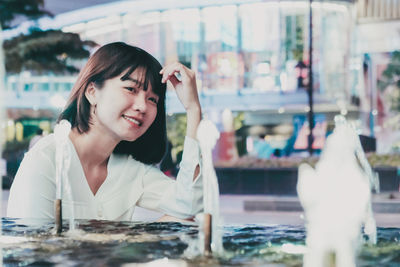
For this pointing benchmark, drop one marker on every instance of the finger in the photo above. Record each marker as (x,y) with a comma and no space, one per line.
(174,81)
(168,73)
(162,70)
(176,66)
(177,69)
(166,77)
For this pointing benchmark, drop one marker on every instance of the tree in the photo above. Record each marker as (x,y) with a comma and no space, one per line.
(39,51)
(45,51)
(11,9)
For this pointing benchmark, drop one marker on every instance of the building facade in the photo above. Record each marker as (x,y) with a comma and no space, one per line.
(253,59)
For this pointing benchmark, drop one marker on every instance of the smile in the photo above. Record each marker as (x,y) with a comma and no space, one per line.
(135,121)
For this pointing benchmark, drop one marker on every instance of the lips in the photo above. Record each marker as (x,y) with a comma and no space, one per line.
(133,120)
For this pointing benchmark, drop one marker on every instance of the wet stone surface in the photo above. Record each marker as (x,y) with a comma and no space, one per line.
(105,243)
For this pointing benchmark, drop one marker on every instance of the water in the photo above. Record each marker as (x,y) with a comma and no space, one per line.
(106,243)
(2,110)
(207,134)
(336,197)
(63,160)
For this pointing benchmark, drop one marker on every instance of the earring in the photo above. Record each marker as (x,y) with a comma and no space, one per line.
(94,109)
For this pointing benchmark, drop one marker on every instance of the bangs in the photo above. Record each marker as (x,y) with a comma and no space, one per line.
(150,75)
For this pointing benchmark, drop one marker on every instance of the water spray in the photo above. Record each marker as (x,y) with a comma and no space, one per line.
(2,120)
(207,134)
(336,197)
(61,132)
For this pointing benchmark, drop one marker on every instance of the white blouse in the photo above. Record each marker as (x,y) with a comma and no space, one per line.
(129,183)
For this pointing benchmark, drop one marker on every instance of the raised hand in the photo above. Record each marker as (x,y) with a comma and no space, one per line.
(183,80)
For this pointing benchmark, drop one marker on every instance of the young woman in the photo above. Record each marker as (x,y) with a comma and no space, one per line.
(117,112)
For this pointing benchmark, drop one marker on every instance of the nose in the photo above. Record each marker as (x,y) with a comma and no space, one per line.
(139,102)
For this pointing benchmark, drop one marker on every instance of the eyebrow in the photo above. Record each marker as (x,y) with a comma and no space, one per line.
(133,80)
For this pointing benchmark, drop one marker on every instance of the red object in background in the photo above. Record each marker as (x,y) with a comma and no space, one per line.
(225,149)
(302,138)
(319,134)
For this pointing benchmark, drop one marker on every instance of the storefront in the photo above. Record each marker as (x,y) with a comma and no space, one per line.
(256,45)
(253,59)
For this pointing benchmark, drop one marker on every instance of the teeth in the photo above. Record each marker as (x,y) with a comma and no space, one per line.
(132,120)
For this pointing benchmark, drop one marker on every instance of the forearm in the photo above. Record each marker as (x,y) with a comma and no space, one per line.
(186,90)
(193,120)
(193,116)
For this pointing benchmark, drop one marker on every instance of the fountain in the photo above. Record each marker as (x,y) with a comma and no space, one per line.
(111,243)
(336,197)
(108,243)
(63,159)
(207,135)
(2,117)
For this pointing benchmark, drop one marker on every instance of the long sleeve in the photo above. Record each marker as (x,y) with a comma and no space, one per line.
(182,198)
(32,193)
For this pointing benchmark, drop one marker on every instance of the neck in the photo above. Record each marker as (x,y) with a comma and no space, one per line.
(92,147)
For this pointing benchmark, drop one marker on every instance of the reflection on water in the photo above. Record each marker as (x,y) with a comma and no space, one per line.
(104,243)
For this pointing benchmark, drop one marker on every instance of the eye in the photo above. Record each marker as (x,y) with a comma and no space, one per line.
(132,89)
(153,99)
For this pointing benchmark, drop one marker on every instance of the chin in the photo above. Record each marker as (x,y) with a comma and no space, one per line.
(131,138)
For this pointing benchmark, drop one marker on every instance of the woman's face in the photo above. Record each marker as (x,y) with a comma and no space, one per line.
(124,110)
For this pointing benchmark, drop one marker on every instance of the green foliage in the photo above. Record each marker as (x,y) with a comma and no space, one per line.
(391,77)
(238,121)
(11,9)
(294,43)
(176,128)
(45,51)
(385,160)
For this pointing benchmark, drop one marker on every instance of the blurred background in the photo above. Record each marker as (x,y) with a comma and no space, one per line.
(252,60)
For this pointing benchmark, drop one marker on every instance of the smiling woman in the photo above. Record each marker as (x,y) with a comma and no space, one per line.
(110,77)
(124,108)
(117,113)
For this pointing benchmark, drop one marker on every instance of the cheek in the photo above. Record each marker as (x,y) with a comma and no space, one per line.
(154,115)
(108,111)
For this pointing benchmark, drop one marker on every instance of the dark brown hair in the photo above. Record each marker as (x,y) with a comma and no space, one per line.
(108,62)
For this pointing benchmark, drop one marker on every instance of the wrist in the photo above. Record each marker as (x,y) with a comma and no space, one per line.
(193,116)
(195,108)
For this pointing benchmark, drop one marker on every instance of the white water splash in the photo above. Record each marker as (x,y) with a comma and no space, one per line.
(336,197)
(207,134)
(2,122)
(63,160)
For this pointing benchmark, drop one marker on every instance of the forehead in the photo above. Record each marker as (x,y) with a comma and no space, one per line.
(138,76)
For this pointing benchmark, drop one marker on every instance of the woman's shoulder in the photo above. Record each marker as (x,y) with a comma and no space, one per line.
(38,163)
(46,145)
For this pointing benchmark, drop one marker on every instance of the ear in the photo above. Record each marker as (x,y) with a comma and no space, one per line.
(91,93)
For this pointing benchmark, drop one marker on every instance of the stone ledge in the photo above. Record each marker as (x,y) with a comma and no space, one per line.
(293,204)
